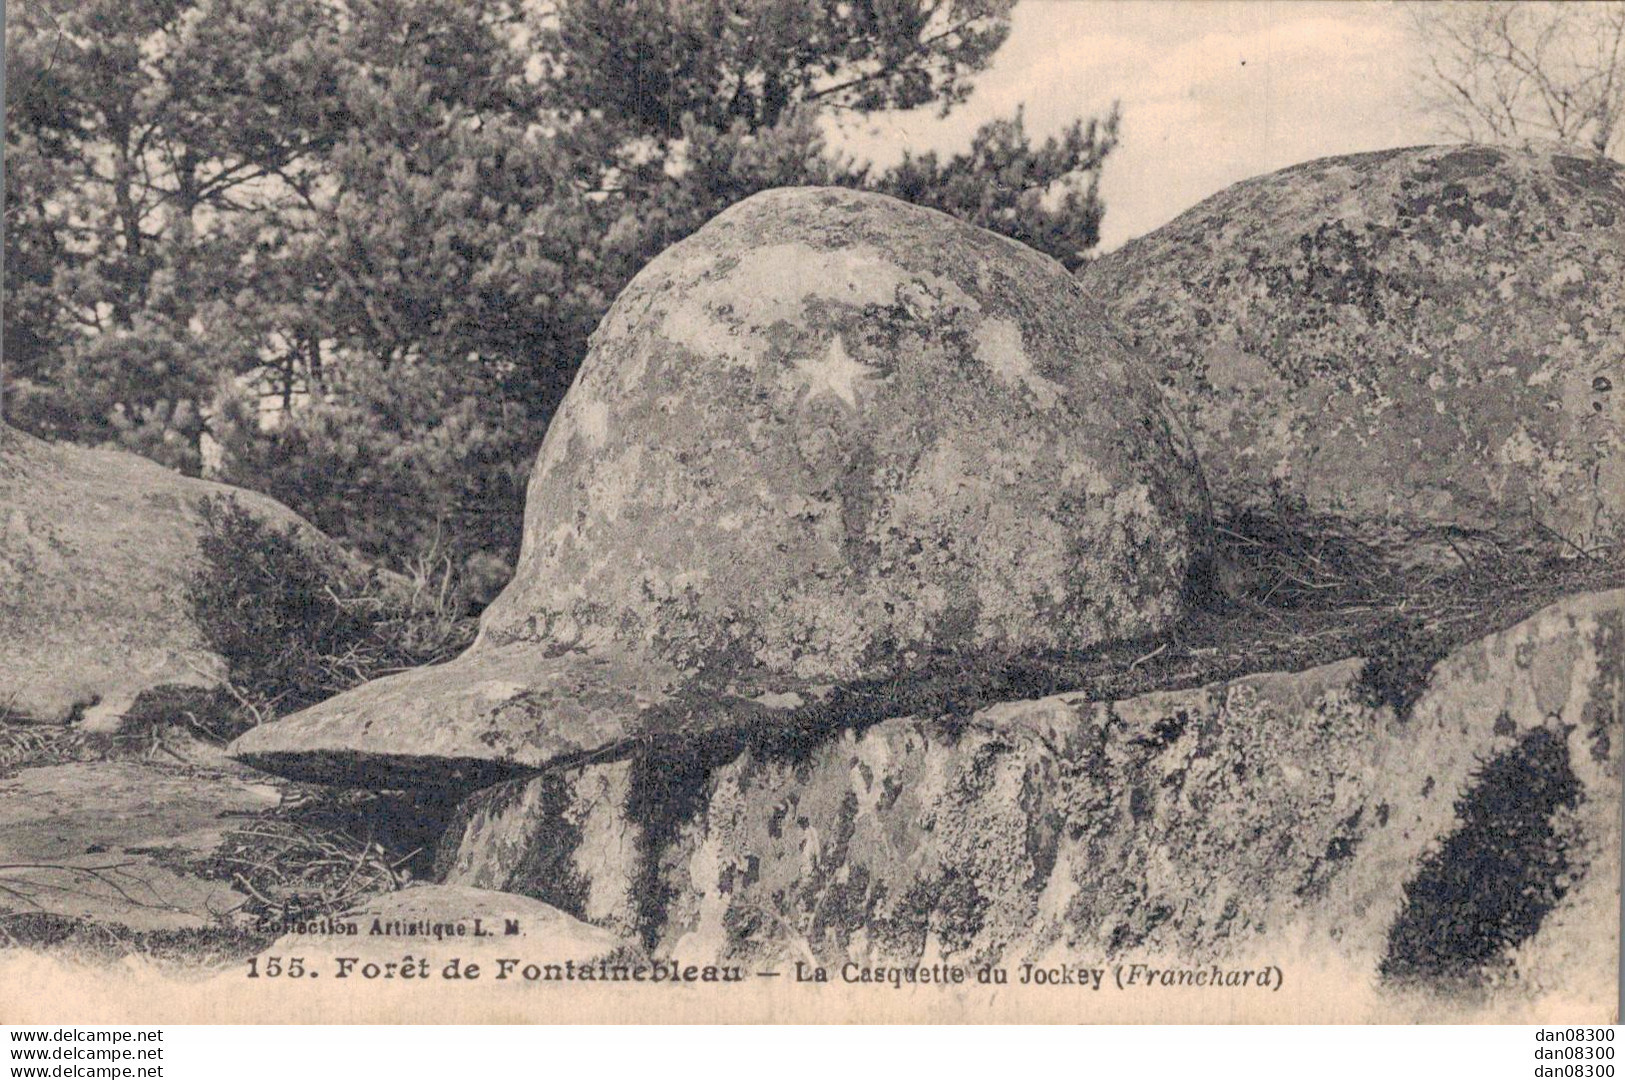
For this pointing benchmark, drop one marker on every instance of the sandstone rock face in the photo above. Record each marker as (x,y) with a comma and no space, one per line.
(829,437)
(104,841)
(1412,341)
(565,836)
(1475,839)
(96,549)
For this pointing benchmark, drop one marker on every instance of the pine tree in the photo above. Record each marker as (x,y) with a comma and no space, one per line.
(360,245)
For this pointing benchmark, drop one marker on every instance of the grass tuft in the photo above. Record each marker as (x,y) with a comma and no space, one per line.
(296,628)
(323,852)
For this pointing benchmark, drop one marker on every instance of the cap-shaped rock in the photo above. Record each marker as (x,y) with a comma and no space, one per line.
(1418,343)
(830,437)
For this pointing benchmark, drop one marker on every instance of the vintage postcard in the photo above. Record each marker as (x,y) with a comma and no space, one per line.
(940,511)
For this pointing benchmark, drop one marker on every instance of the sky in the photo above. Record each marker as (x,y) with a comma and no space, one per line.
(1212,91)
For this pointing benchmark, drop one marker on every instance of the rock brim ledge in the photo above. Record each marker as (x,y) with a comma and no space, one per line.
(1261,813)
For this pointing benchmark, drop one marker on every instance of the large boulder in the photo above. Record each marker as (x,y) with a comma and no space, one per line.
(830,437)
(109,841)
(1276,818)
(97,548)
(1420,343)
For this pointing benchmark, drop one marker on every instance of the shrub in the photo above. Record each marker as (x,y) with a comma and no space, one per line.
(1286,556)
(295,626)
(325,852)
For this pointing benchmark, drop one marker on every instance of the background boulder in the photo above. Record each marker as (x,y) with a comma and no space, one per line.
(109,842)
(1417,343)
(97,548)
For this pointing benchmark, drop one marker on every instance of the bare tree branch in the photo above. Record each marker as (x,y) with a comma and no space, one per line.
(1510,71)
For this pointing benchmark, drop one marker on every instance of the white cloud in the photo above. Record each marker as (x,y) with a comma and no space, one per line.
(1212,92)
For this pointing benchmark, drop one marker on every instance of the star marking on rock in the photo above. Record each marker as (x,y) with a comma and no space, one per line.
(837,373)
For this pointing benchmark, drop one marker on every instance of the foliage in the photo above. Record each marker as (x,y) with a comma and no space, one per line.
(1046,197)
(135,148)
(1287,590)
(25,744)
(349,252)
(1510,71)
(296,627)
(321,857)
(1286,556)
(650,64)
(210,946)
